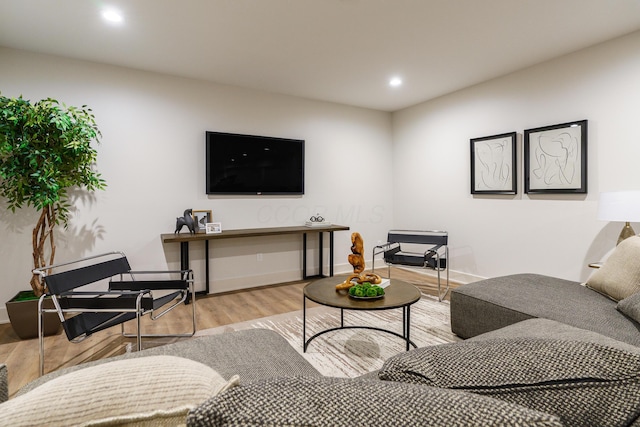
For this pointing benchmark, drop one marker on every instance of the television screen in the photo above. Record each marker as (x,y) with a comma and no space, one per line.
(248,164)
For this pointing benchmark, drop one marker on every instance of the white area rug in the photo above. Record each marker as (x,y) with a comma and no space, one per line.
(353,352)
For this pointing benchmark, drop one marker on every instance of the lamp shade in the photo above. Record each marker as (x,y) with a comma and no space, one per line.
(623,206)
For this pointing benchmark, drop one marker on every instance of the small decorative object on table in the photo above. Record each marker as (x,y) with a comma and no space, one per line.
(201,218)
(317,221)
(356,259)
(213,227)
(366,291)
(187,219)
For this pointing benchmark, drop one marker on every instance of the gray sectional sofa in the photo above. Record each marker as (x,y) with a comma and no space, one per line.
(608,303)
(604,311)
(492,304)
(254,377)
(250,377)
(539,351)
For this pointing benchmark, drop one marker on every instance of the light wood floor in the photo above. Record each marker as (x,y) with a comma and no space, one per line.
(21,356)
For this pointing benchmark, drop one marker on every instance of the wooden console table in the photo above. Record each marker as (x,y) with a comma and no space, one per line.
(185,238)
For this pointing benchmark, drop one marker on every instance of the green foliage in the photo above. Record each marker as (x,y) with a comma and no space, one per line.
(366,289)
(45,149)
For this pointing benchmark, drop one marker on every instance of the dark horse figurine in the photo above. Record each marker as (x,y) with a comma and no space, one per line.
(187,219)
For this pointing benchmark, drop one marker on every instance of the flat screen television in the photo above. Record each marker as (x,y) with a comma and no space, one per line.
(249,164)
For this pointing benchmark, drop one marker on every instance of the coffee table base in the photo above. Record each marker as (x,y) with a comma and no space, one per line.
(406,327)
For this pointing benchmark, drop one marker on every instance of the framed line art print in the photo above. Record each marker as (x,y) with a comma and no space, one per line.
(493,164)
(555,158)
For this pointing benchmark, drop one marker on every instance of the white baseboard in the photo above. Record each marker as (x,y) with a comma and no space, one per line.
(454,276)
(4,317)
(247,282)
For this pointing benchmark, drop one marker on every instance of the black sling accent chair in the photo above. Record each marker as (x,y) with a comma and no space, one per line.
(417,248)
(84,308)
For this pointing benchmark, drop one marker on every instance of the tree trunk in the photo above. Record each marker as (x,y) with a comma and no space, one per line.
(43,233)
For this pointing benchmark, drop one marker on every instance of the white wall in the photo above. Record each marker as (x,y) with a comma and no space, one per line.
(152,157)
(153,147)
(495,235)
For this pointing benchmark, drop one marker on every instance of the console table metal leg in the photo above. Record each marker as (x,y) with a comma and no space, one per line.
(331,254)
(206,266)
(184,255)
(320,256)
(184,263)
(304,256)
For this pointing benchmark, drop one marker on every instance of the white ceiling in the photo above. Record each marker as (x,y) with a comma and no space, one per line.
(341,51)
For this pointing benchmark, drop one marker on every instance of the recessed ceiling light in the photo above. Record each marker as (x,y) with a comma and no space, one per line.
(395,82)
(112,15)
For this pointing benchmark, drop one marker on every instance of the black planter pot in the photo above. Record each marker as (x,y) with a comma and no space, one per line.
(23,315)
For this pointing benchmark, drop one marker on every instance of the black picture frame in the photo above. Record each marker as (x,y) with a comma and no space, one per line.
(493,164)
(555,159)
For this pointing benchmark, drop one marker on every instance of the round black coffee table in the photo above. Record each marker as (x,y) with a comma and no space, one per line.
(398,294)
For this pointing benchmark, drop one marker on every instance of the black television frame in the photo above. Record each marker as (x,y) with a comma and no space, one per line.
(243,138)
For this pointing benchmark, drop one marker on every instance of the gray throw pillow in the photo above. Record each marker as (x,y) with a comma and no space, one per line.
(335,402)
(630,306)
(581,382)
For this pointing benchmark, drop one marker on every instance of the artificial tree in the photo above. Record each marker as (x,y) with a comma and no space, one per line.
(45,150)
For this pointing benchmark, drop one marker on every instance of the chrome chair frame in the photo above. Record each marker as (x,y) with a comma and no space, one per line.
(125,299)
(437,240)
